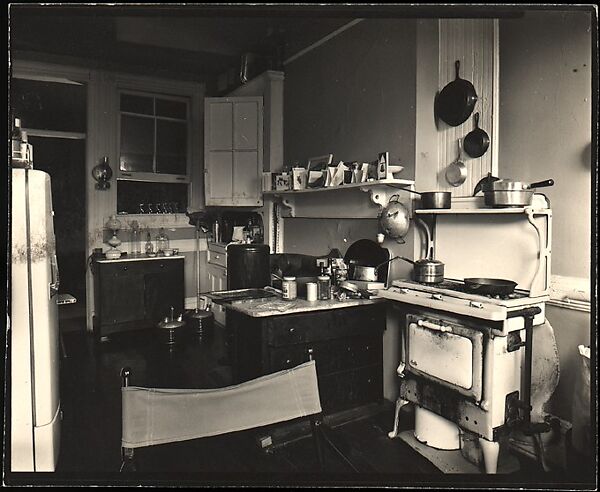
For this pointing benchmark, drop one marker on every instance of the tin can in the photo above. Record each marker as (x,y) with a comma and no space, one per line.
(289,288)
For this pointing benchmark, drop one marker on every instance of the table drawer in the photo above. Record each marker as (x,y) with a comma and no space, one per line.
(330,356)
(324,325)
(142,266)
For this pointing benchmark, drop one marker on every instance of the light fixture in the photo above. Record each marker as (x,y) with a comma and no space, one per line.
(102,174)
(113,225)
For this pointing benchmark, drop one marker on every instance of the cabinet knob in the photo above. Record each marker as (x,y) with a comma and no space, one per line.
(291,330)
(162,265)
(217,257)
(288,362)
(124,268)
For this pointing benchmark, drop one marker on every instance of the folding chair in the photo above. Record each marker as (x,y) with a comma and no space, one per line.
(153,416)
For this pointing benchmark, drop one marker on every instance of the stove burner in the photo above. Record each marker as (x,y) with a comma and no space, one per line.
(458,286)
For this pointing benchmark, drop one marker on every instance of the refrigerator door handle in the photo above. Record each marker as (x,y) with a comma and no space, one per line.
(55,276)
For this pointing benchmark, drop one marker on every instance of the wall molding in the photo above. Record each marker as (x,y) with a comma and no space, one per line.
(570,293)
(321,41)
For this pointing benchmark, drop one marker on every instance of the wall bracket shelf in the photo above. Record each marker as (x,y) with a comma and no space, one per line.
(379,194)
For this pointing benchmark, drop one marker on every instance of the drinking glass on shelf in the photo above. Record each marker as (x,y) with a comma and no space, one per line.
(142,210)
(150,208)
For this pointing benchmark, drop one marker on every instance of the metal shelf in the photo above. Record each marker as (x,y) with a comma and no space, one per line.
(476,205)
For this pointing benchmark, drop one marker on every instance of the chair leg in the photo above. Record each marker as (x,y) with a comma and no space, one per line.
(315,426)
(127,460)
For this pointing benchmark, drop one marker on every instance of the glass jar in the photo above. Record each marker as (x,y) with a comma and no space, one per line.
(136,238)
(162,241)
(149,245)
(323,287)
(289,288)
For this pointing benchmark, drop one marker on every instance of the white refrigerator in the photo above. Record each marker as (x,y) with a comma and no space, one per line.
(33,326)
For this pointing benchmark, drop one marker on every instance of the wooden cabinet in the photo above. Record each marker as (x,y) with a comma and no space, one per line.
(345,343)
(216,270)
(136,294)
(233,151)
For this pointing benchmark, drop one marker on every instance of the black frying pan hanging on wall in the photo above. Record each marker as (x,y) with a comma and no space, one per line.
(456,101)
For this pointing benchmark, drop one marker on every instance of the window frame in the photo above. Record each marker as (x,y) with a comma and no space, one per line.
(153,176)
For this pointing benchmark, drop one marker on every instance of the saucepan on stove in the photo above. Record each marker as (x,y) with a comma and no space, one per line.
(368,273)
(490,286)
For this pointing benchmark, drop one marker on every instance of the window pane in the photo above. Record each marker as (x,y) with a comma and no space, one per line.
(136,104)
(134,197)
(171,147)
(137,143)
(172,109)
(49,105)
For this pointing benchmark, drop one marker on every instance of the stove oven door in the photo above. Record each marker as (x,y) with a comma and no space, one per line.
(446,353)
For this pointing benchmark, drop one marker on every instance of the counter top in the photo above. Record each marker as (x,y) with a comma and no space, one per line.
(276,306)
(138,258)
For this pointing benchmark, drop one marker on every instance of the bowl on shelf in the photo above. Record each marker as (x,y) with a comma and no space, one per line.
(168,252)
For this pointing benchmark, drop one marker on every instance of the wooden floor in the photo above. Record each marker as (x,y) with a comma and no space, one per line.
(90,447)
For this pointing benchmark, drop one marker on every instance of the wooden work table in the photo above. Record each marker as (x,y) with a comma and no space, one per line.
(343,337)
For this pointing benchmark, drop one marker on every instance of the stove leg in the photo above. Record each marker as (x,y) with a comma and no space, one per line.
(400,402)
(490,454)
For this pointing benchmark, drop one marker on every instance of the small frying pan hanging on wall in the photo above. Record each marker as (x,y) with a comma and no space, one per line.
(455,103)
(477,140)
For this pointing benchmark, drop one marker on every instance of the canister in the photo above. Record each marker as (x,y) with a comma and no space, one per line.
(324,287)
(311,291)
(289,288)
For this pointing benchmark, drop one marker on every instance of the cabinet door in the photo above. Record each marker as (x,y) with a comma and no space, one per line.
(122,296)
(233,153)
(163,288)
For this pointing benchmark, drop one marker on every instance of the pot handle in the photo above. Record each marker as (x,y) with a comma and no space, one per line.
(542,184)
(405,259)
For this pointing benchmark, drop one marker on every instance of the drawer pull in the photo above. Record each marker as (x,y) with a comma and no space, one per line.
(291,330)
(124,268)
(288,362)
(162,265)
(217,257)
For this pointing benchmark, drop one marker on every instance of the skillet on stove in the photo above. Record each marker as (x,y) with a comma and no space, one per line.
(490,286)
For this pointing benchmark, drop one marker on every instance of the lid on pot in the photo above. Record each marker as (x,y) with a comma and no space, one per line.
(428,261)
(508,185)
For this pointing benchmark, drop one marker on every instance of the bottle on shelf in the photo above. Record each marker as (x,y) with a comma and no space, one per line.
(162,241)
(149,246)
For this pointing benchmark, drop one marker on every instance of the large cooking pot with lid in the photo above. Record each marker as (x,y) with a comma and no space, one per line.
(427,270)
(507,193)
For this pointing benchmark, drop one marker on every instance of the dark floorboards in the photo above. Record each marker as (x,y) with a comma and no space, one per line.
(91,428)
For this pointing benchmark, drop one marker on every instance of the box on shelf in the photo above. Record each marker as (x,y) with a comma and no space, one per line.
(299,178)
(282,181)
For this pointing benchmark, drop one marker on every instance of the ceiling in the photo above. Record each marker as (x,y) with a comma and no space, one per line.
(195,42)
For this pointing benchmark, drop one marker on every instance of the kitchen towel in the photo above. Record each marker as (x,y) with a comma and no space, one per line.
(154,416)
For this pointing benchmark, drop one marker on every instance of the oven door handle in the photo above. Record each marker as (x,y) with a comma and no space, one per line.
(434,326)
